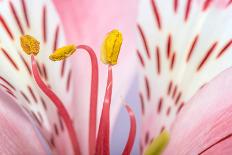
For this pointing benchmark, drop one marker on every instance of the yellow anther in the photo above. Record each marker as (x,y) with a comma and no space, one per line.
(158,144)
(62,53)
(29,44)
(111,47)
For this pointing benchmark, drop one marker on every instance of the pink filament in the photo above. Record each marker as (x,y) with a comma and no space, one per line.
(103,142)
(93,98)
(131,138)
(59,105)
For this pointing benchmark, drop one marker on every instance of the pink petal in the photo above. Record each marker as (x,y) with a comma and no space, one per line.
(17,135)
(87,22)
(205,122)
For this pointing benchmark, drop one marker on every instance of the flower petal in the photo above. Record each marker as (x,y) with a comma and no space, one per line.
(79,17)
(203,124)
(182,45)
(39,19)
(17,135)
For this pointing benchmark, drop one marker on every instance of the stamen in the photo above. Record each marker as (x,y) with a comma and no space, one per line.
(158,144)
(131,138)
(60,106)
(62,53)
(111,47)
(102,146)
(29,44)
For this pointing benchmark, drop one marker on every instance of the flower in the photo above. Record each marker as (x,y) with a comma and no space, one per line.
(183,45)
(43,89)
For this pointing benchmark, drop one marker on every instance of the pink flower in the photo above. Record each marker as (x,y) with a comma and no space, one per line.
(55,95)
(183,45)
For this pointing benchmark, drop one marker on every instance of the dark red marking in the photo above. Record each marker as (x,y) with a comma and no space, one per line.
(26,64)
(147,85)
(36,118)
(224,48)
(178,98)
(25,97)
(39,68)
(156,13)
(203,61)
(158,63)
(144,41)
(142,103)
(25,12)
(172,61)
(217,142)
(44,24)
(32,94)
(168,111)
(11,93)
(206,5)
(56,129)
(16,17)
(169,45)
(192,47)
(162,129)
(160,105)
(169,88)
(56,38)
(187,9)
(63,68)
(61,123)
(68,80)
(140,58)
(229,3)
(43,103)
(52,142)
(10,59)
(6,27)
(180,107)
(147,137)
(8,83)
(175,5)
(8,89)
(45,72)
(174,92)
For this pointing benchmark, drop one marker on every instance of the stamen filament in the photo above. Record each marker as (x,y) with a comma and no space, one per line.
(132,133)
(93,98)
(59,105)
(103,140)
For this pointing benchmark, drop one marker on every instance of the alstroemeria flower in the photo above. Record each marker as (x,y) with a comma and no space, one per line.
(44,89)
(183,45)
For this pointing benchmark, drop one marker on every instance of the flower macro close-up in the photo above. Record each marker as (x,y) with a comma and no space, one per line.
(101,77)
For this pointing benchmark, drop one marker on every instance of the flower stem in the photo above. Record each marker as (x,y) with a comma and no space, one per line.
(59,105)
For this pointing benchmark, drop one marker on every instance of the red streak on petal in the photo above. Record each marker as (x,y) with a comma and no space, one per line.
(157,14)
(224,48)
(173,61)
(7,82)
(180,107)
(142,102)
(169,88)
(93,97)
(147,88)
(229,3)
(25,97)
(10,59)
(59,105)
(158,63)
(160,105)
(168,111)
(43,103)
(169,46)
(178,98)
(144,41)
(102,146)
(187,10)
(32,94)
(206,5)
(8,89)
(36,118)
(11,93)
(6,27)
(140,58)
(56,38)
(62,68)
(174,92)
(132,133)
(203,61)
(68,80)
(44,24)
(175,5)
(25,12)
(193,45)
(16,17)
(45,72)
(217,142)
